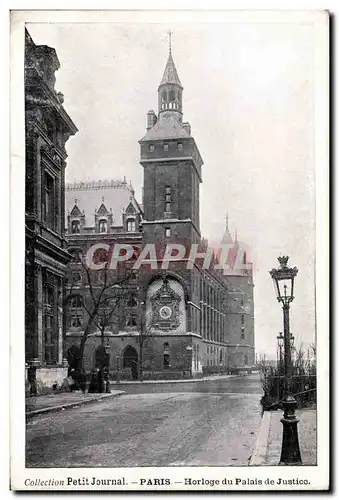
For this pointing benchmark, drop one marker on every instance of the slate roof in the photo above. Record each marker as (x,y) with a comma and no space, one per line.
(89,196)
(227,238)
(170,73)
(167,127)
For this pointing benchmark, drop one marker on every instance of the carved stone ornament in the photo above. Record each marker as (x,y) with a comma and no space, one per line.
(52,152)
(165,306)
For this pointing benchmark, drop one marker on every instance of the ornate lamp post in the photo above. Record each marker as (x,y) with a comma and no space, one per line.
(292,340)
(280,339)
(106,369)
(283,279)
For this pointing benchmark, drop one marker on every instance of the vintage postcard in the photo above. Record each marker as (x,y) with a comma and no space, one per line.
(169,325)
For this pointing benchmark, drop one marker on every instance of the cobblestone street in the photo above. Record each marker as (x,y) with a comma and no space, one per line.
(204,423)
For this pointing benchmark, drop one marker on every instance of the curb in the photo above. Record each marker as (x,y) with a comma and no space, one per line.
(67,406)
(259,454)
(182,381)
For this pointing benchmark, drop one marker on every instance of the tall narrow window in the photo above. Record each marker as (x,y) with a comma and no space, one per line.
(246,359)
(179,146)
(49,215)
(242,327)
(168,200)
(50,326)
(151,148)
(166,355)
(131,225)
(165,147)
(75,226)
(168,232)
(103,226)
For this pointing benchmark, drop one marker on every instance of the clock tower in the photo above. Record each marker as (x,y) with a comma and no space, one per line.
(172,169)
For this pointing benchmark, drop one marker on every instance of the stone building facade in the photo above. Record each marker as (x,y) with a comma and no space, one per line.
(48,127)
(182,318)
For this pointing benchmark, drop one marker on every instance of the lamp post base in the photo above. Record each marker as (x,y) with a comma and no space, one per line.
(290,451)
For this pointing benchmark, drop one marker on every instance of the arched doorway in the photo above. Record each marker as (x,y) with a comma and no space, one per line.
(130,360)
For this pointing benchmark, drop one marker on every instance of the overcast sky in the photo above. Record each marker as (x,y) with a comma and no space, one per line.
(248,95)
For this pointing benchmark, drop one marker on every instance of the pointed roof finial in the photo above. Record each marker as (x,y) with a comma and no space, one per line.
(236,236)
(102,199)
(170,33)
(227,220)
(170,74)
(75,201)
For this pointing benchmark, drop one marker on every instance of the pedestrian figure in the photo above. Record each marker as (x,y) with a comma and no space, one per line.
(71,379)
(134,370)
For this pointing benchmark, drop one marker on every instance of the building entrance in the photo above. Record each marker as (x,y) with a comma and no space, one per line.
(130,360)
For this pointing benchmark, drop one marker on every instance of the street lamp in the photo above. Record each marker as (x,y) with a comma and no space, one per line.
(280,339)
(106,369)
(283,279)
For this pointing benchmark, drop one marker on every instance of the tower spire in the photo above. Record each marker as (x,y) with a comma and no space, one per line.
(227,238)
(170,33)
(170,88)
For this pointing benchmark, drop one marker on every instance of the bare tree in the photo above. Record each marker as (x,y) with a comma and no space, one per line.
(101,295)
(145,332)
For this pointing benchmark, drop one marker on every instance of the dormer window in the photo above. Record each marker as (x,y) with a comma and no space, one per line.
(131,225)
(151,148)
(75,227)
(102,226)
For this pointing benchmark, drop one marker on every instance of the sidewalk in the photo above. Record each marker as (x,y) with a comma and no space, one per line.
(268,447)
(169,381)
(36,405)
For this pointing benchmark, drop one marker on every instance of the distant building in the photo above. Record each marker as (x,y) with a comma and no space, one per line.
(48,128)
(197,319)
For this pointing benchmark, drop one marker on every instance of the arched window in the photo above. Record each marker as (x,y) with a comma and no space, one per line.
(132,301)
(164,95)
(75,227)
(171,96)
(103,226)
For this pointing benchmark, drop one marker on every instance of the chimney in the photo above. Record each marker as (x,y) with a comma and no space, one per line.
(187,127)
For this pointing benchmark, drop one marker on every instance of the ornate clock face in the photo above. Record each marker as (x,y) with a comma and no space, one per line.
(165,312)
